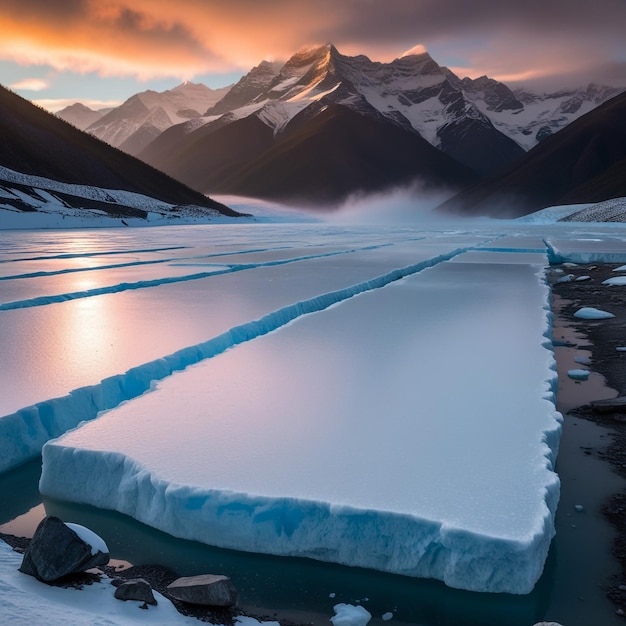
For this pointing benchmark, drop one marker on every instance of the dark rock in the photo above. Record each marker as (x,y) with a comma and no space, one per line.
(205,589)
(56,551)
(136,589)
(617,405)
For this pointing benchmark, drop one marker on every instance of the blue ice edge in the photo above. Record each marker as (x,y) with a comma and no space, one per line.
(382,540)
(557,256)
(23,433)
(156,282)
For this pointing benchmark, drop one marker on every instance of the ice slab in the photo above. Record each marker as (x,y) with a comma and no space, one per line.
(616,280)
(409,429)
(578,374)
(590,313)
(350,615)
(91,353)
(590,249)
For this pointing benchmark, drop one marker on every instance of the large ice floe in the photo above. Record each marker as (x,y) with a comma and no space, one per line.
(384,432)
(377,397)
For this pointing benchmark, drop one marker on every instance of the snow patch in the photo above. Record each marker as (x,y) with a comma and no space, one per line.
(90,538)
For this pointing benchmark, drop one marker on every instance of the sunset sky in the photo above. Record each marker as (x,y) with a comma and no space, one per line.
(100,52)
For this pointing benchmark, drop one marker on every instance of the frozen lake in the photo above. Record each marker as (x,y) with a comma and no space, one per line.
(420,400)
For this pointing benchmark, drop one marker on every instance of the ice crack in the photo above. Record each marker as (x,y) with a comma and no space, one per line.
(24,432)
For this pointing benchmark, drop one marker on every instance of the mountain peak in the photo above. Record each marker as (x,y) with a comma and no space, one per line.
(78,106)
(79,115)
(309,55)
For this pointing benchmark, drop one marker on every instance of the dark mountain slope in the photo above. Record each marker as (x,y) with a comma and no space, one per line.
(205,157)
(35,142)
(610,184)
(326,157)
(583,162)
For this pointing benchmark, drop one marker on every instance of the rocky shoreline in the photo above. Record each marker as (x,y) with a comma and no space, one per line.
(603,336)
(158,577)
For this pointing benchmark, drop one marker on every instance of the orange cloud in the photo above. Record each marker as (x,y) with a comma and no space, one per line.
(152,38)
(187,38)
(31,84)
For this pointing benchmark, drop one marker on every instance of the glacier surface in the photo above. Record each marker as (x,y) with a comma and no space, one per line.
(353,386)
(339,438)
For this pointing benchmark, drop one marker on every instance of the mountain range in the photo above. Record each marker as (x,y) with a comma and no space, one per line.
(34,142)
(323,126)
(584,162)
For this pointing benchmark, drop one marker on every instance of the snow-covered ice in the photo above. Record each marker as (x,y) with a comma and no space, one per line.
(585,249)
(373,356)
(53,339)
(350,615)
(615,281)
(334,417)
(591,313)
(578,374)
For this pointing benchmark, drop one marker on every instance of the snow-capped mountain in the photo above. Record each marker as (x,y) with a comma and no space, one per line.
(584,162)
(144,116)
(80,115)
(480,124)
(37,143)
(540,115)
(413,92)
(399,105)
(413,89)
(247,138)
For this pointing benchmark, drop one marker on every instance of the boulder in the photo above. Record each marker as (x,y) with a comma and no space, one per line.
(56,551)
(205,589)
(136,589)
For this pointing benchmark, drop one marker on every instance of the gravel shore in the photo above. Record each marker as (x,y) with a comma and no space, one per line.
(603,337)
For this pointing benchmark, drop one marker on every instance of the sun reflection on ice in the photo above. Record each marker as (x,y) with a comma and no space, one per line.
(87,332)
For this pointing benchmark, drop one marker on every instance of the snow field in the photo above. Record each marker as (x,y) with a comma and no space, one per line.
(385,432)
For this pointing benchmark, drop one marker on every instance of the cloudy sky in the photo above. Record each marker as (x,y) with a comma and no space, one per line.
(102,51)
